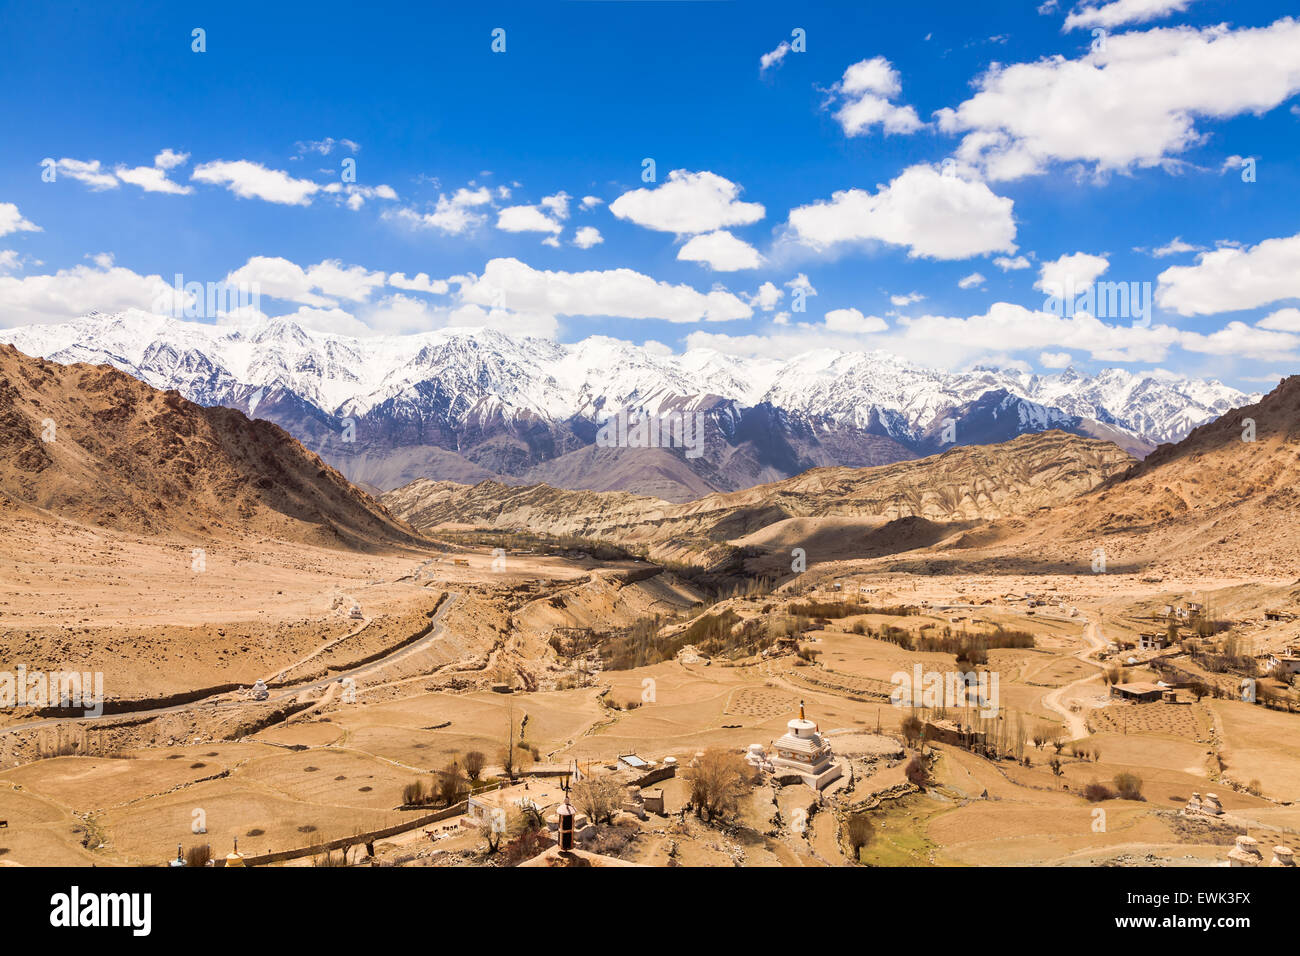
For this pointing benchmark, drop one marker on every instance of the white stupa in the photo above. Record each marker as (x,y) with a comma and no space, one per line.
(804,751)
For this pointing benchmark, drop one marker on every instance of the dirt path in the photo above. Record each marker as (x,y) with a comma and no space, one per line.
(224,701)
(1076,724)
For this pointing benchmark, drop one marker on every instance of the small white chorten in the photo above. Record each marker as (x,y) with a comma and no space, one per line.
(803,750)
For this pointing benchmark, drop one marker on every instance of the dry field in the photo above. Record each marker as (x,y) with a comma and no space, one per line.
(325,760)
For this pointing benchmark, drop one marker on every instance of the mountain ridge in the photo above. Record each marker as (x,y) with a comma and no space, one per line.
(478,403)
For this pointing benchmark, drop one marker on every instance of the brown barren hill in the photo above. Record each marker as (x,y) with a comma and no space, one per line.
(93,445)
(1222,500)
(968,483)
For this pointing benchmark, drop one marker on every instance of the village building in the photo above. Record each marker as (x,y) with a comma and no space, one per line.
(802,750)
(483,808)
(1141,692)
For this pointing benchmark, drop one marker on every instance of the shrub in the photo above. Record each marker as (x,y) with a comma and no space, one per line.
(1128,786)
(917,773)
(1096,792)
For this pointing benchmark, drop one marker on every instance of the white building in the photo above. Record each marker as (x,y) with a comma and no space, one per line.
(804,751)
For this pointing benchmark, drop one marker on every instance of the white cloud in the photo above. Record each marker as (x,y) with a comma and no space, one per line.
(418,283)
(864,95)
(587,236)
(9,260)
(851,320)
(801,283)
(687,203)
(905,300)
(527,219)
(70,293)
(1174,247)
(1137,96)
(1120,12)
(152,179)
(934,215)
(767,297)
(1007,263)
(1283,320)
(971,281)
(1232,278)
(357,194)
(721,251)
(1054,359)
(557,204)
(452,215)
(11,220)
(325,146)
(947,341)
(1070,273)
(590,202)
(317,286)
(170,159)
(774,58)
(89,172)
(1243,341)
(249,180)
(617,293)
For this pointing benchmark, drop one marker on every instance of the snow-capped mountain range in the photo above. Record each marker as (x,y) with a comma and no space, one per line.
(464,404)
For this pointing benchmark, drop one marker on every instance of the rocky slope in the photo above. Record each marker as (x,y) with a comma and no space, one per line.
(965,484)
(93,445)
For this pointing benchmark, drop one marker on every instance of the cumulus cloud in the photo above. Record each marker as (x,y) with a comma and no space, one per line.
(418,283)
(249,180)
(527,219)
(905,300)
(1233,278)
(90,172)
(971,281)
(721,252)
(617,293)
(1283,320)
(767,297)
(1008,263)
(453,215)
(852,320)
(1138,96)
(587,236)
(70,293)
(1007,328)
(1054,359)
(318,286)
(863,95)
(1121,12)
(1071,272)
(687,203)
(11,220)
(934,215)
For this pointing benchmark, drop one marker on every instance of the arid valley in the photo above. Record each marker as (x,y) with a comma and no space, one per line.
(295,673)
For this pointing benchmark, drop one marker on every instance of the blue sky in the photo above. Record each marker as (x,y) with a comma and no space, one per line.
(967,163)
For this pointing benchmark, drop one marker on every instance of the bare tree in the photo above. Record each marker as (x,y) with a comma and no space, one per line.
(474,761)
(598,798)
(717,781)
